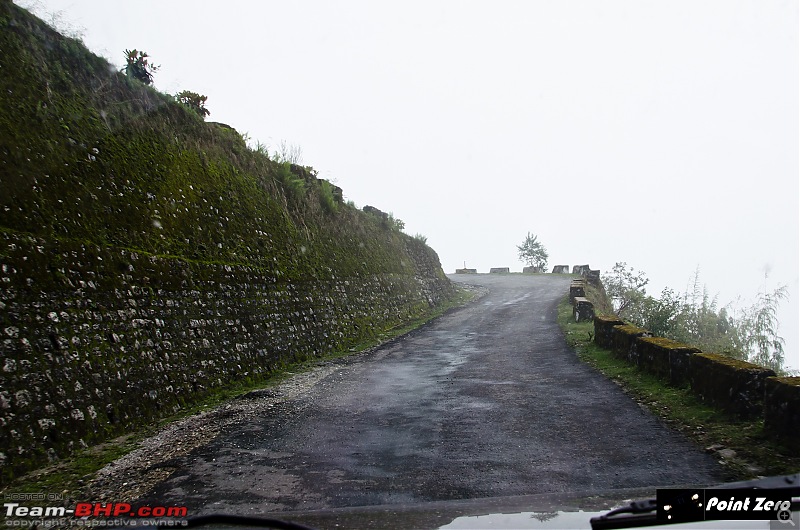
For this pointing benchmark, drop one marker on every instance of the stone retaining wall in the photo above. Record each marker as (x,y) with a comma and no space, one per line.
(97,340)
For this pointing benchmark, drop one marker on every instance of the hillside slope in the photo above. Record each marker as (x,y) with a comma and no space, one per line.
(147,256)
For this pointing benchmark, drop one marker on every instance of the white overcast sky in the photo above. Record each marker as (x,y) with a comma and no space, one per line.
(659,133)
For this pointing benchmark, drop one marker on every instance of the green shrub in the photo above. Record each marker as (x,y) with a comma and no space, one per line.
(327,199)
(294,186)
(395,223)
(194,101)
(138,67)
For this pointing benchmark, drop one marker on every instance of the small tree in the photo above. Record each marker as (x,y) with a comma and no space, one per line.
(625,288)
(194,101)
(533,253)
(759,327)
(138,66)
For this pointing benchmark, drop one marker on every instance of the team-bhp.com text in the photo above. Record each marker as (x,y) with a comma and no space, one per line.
(89,514)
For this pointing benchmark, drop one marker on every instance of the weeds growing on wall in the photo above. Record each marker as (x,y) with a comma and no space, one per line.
(285,152)
(293,184)
(327,199)
(394,223)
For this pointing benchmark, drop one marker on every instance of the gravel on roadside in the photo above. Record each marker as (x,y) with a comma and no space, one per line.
(131,476)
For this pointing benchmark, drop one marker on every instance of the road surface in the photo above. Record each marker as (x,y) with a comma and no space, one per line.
(486,401)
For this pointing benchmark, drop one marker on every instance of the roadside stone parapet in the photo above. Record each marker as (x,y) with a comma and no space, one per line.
(603,327)
(466,271)
(561,269)
(738,387)
(665,358)
(580,270)
(593,277)
(623,340)
(499,270)
(732,385)
(582,310)
(782,408)
(577,289)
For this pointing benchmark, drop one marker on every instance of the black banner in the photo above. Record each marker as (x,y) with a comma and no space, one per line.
(688,505)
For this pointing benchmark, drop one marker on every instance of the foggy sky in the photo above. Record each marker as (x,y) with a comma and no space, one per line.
(659,133)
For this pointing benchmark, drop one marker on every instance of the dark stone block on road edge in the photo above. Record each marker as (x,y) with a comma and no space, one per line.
(582,310)
(603,326)
(782,408)
(665,358)
(623,341)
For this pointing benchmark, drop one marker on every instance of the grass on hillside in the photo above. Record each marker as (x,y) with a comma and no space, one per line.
(70,474)
(756,453)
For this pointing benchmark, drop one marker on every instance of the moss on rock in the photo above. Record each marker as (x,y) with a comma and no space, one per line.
(729,384)
(782,408)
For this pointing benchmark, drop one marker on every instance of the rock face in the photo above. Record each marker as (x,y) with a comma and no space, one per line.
(376,212)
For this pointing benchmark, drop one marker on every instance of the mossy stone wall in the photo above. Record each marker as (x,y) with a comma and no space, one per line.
(97,340)
(623,340)
(782,408)
(729,384)
(603,327)
(665,358)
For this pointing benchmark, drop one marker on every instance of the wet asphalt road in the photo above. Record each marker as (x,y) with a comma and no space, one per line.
(486,401)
